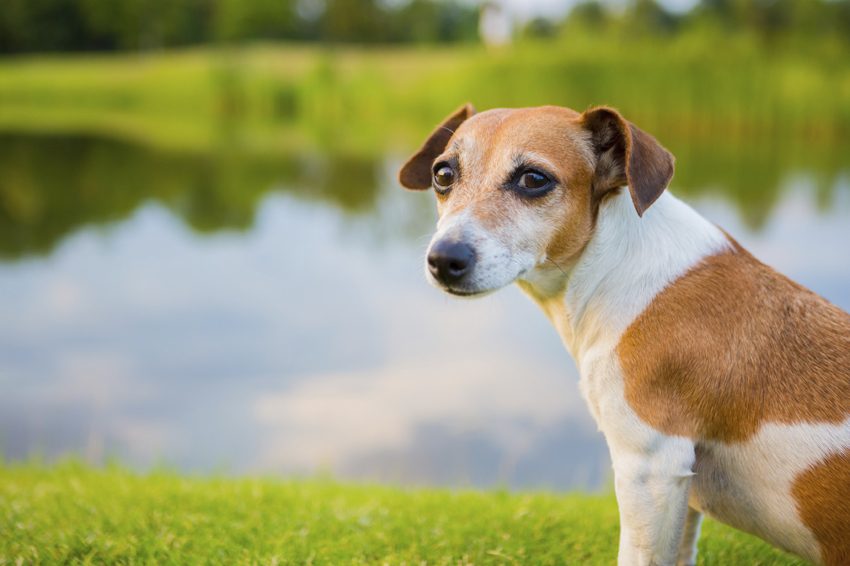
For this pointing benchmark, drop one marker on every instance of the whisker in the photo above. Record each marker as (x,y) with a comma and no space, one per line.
(561,269)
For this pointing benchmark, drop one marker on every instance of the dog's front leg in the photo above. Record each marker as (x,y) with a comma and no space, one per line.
(652,480)
(688,546)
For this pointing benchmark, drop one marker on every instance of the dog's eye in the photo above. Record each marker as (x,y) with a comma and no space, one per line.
(444,176)
(531,180)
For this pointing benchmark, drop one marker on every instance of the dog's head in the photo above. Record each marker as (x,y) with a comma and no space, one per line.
(520,189)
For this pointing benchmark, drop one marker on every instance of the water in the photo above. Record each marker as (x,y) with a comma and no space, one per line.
(245,314)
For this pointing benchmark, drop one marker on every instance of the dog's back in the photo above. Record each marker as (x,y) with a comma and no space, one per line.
(756,370)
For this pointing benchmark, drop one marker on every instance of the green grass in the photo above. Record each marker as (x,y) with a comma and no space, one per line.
(72,513)
(273,97)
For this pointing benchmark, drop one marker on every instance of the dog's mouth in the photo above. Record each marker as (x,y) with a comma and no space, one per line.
(465,293)
(462,289)
(471,288)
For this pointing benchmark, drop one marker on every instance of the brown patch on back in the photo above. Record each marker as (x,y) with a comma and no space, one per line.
(731,345)
(822,494)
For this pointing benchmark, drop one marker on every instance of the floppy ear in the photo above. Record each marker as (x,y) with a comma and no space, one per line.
(416,173)
(626,155)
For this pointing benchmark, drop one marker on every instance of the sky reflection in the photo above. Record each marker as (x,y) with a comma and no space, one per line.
(312,343)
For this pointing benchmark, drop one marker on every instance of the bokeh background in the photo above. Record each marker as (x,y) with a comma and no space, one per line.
(206,262)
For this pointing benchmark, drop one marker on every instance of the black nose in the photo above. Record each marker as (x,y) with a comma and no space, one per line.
(449,261)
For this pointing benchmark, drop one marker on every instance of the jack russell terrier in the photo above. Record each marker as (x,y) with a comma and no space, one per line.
(721,386)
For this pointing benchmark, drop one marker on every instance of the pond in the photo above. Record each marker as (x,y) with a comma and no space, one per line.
(268,314)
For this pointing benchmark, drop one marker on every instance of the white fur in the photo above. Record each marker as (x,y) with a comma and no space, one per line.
(690,536)
(501,256)
(627,262)
(749,485)
(652,471)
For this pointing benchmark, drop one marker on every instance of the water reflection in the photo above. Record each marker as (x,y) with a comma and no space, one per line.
(51,186)
(269,314)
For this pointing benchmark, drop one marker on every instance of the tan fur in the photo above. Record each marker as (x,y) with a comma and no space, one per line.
(822,494)
(726,348)
(555,136)
(593,154)
(733,345)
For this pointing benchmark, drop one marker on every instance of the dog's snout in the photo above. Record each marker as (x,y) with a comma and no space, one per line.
(450,261)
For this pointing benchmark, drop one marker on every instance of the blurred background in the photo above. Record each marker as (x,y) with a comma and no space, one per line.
(206,262)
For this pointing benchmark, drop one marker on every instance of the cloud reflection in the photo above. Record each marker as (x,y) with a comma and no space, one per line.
(313,343)
(334,419)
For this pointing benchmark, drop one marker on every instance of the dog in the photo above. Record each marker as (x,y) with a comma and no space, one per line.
(721,386)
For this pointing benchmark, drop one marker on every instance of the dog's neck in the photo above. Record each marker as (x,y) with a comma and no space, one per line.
(627,262)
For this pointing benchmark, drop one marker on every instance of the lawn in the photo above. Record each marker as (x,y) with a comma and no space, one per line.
(271,98)
(72,513)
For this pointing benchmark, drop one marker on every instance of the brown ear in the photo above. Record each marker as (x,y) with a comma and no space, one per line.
(416,173)
(626,155)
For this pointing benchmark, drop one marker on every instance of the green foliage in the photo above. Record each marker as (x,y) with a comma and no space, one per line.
(261,19)
(146,24)
(28,26)
(366,101)
(75,514)
(45,25)
(774,21)
(82,25)
(51,186)
(209,132)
